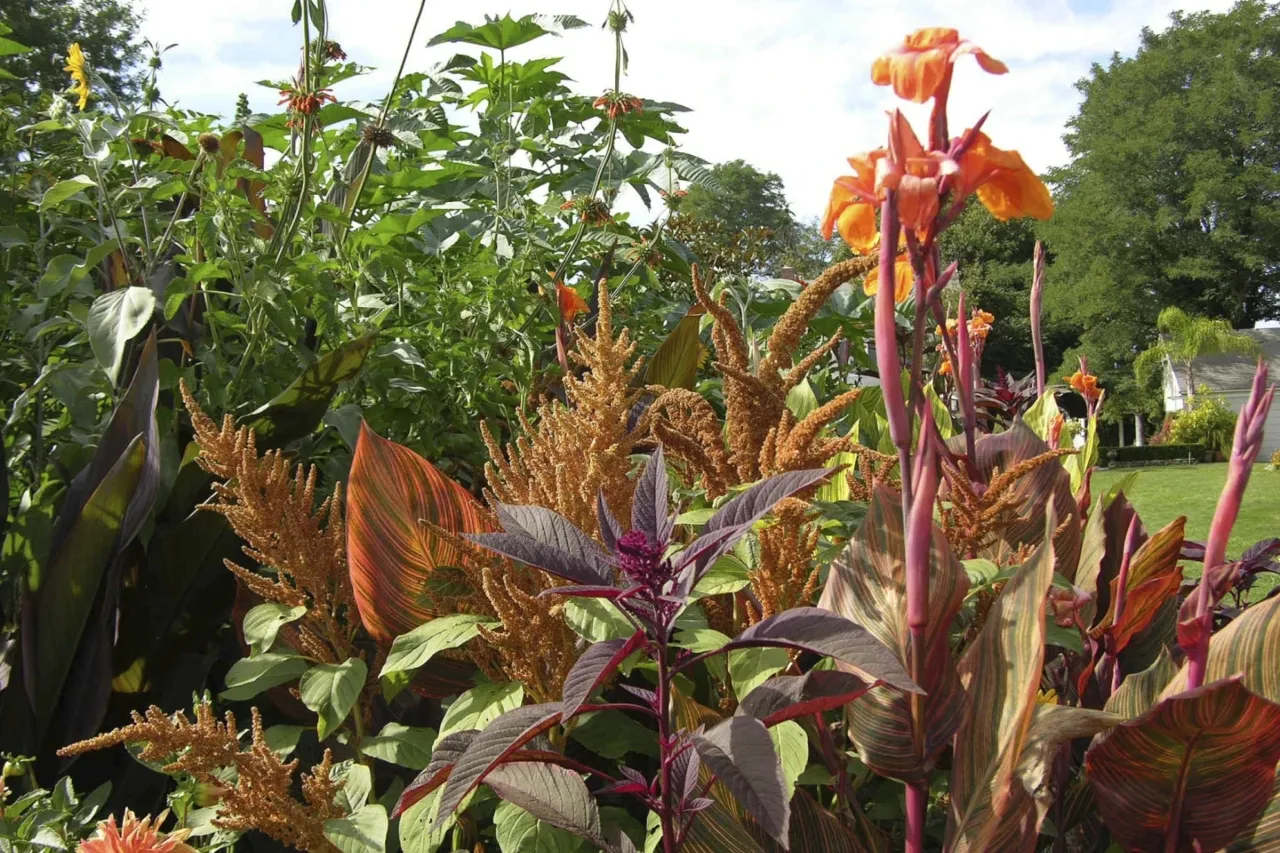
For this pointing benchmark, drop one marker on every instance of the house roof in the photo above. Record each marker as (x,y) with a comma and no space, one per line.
(1233,372)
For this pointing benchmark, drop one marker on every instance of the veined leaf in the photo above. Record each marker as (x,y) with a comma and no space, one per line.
(261,624)
(1154,577)
(1001,673)
(391,553)
(408,746)
(364,831)
(495,743)
(63,190)
(741,753)
(250,676)
(114,318)
(297,410)
(479,706)
(1048,484)
(1250,645)
(518,831)
(416,648)
(56,615)
(820,631)
(444,755)
(676,361)
(331,690)
(1140,690)
(1192,773)
(551,794)
(787,697)
(868,585)
(593,669)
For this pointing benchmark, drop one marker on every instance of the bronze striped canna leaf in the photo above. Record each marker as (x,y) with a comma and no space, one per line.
(867,585)
(1264,836)
(390,551)
(1000,672)
(1046,485)
(1154,577)
(1140,690)
(1191,774)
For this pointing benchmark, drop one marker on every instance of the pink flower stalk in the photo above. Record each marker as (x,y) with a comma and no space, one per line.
(966,379)
(886,334)
(1193,634)
(1037,300)
(919,538)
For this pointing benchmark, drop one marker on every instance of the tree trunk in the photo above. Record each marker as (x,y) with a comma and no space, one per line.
(1191,384)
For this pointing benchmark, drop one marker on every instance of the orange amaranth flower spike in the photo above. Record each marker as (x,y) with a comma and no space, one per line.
(1005,184)
(136,836)
(921,66)
(852,206)
(902,280)
(570,302)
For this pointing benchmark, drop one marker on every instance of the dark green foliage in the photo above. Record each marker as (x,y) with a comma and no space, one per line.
(1169,196)
(1153,453)
(105,29)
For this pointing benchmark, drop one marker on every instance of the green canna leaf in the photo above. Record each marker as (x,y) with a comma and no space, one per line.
(676,361)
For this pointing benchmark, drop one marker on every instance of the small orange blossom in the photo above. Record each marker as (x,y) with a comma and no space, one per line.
(570,302)
(135,836)
(921,65)
(1085,384)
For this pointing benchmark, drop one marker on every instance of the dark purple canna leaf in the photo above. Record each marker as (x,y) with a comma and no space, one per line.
(610,529)
(788,697)
(736,517)
(649,512)
(552,794)
(741,754)
(593,669)
(812,629)
(490,748)
(446,753)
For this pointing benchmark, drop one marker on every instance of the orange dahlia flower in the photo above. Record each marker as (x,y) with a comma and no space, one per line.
(1005,184)
(136,836)
(921,65)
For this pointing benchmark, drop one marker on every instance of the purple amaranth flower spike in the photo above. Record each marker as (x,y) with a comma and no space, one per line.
(1194,627)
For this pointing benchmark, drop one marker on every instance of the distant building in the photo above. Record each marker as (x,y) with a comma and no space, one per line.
(1229,377)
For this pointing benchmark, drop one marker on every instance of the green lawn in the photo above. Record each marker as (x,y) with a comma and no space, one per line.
(1162,494)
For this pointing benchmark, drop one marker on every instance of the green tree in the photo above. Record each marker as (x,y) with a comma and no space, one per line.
(1169,195)
(740,224)
(994,269)
(1186,337)
(105,29)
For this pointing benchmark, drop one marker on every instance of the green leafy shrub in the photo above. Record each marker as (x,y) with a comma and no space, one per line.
(1208,421)
(1154,453)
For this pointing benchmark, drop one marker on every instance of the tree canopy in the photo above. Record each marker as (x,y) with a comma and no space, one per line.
(1169,197)
(105,29)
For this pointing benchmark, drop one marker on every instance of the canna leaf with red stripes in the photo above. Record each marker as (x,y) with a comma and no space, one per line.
(391,552)
(867,584)
(1191,774)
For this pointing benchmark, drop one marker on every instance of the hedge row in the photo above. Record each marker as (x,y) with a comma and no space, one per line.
(1152,453)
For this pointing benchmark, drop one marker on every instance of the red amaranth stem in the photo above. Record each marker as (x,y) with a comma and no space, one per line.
(1248,443)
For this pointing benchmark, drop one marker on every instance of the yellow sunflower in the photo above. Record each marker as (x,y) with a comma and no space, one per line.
(79,70)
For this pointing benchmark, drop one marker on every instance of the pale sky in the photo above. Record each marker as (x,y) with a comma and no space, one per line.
(782,84)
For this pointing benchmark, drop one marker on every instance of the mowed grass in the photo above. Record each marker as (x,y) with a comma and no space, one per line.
(1161,494)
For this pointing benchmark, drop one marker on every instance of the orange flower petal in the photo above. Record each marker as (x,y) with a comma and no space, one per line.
(857,225)
(570,302)
(902,280)
(927,37)
(1005,184)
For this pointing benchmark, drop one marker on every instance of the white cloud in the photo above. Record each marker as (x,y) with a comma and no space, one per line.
(782,84)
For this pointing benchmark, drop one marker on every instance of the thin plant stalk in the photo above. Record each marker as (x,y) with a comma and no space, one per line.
(1194,637)
(1122,594)
(670,844)
(886,338)
(918,541)
(1037,301)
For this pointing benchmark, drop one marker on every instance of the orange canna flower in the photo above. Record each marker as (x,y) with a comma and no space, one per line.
(944,369)
(980,324)
(136,836)
(914,172)
(570,302)
(902,280)
(1085,384)
(851,209)
(1005,184)
(921,66)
